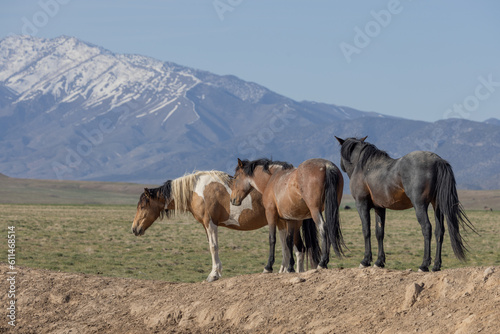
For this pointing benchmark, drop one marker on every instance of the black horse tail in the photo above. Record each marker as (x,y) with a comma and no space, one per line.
(447,202)
(332,225)
(310,233)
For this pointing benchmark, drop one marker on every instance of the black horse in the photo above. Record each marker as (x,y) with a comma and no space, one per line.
(415,180)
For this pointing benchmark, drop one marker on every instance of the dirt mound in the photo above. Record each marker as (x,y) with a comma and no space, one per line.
(329,301)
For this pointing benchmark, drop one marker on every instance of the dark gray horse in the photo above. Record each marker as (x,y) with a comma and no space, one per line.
(415,180)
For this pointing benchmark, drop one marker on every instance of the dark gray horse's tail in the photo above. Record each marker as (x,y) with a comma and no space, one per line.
(310,233)
(447,202)
(332,224)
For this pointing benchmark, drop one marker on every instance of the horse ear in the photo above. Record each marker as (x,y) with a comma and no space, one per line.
(340,140)
(240,163)
(363,139)
(147,193)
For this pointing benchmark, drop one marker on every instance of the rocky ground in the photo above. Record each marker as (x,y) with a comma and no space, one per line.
(465,300)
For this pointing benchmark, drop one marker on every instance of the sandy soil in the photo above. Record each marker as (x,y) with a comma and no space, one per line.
(368,300)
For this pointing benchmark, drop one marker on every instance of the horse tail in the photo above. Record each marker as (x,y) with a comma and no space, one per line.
(332,180)
(447,202)
(310,233)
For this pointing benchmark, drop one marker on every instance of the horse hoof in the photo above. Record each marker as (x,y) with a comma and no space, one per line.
(267,271)
(377,266)
(362,266)
(211,279)
(420,270)
(320,267)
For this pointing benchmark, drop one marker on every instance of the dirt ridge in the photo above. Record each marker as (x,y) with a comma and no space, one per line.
(367,300)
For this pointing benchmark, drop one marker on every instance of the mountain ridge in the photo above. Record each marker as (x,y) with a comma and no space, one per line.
(74,110)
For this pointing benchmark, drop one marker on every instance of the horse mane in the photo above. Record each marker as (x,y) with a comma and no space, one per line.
(368,151)
(347,148)
(180,190)
(249,166)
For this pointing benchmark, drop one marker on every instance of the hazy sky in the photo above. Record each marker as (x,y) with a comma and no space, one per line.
(414,59)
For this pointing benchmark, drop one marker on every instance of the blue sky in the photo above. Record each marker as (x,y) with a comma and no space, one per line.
(414,59)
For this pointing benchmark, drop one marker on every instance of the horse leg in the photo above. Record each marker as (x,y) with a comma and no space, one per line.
(214,250)
(423,219)
(299,248)
(284,249)
(364,214)
(272,218)
(379,232)
(325,242)
(439,233)
(312,250)
(289,241)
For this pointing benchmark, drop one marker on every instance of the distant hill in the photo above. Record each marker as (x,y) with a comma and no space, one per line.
(27,191)
(72,110)
(493,121)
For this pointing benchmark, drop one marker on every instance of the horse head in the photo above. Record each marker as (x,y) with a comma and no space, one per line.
(153,203)
(350,152)
(241,183)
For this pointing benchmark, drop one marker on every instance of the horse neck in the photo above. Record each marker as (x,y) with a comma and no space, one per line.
(261,178)
(175,210)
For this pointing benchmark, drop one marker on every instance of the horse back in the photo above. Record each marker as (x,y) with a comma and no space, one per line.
(296,191)
(397,183)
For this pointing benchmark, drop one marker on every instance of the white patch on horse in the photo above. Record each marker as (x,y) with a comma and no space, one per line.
(235,211)
(203,181)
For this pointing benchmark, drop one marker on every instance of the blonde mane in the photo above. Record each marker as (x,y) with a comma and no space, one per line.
(182,187)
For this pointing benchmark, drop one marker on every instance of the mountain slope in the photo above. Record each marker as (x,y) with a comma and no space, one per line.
(73,110)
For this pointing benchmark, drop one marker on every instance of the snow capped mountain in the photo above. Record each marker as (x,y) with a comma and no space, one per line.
(69,70)
(73,110)
(65,88)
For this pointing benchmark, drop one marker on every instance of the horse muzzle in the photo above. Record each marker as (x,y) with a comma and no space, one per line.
(138,230)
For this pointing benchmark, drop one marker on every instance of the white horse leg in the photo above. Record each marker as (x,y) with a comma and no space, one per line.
(284,250)
(213,241)
(300,260)
(325,245)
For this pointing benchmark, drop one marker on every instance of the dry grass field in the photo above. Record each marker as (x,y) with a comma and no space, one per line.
(85,227)
(96,239)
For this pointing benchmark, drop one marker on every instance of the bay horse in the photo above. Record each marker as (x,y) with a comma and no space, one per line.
(294,194)
(206,195)
(415,180)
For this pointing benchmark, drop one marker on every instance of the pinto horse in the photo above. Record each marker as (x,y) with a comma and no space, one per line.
(414,180)
(206,195)
(294,194)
